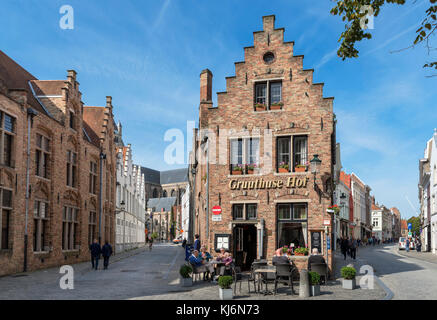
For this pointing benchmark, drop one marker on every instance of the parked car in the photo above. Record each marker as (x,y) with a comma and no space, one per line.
(402,243)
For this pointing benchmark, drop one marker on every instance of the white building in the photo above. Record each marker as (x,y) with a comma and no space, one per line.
(428,195)
(185,216)
(359,200)
(130,199)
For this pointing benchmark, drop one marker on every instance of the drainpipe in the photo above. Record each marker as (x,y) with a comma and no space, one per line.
(207,189)
(30,114)
(102,157)
(261,238)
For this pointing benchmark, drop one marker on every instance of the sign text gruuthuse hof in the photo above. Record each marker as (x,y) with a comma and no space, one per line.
(292,182)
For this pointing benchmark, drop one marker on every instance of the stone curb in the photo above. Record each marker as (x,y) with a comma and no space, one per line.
(408,256)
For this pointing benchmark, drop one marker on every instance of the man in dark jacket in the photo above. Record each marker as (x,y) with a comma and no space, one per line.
(197,243)
(95,251)
(106,253)
(344,247)
(315,258)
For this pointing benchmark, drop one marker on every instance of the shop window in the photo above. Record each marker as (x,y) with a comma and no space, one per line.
(244,155)
(299,153)
(292,225)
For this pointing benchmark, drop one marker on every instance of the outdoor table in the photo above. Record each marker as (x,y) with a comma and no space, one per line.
(218,265)
(259,271)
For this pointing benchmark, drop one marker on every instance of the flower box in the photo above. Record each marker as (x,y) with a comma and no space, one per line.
(349,284)
(315,290)
(283,170)
(187,282)
(300,169)
(250,171)
(235,172)
(260,107)
(276,107)
(225,294)
(299,254)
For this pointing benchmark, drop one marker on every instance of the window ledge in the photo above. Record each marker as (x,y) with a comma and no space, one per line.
(42,178)
(245,175)
(291,173)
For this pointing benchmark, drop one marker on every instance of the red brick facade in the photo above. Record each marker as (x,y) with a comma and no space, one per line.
(65,139)
(304,112)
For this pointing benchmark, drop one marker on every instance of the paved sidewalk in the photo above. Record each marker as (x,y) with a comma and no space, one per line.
(424,256)
(203,290)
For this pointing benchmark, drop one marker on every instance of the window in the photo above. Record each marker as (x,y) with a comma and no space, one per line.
(261,93)
(164,194)
(92,226)
(42,156)
(251,211)
(275,92)
(71,169)
(375,222)
(7,132)
(69,228)
(299,152)
(93,177)
(292,225)
(5,219)
(244,154)
(268,57)
(244,211)
(40,232)
(268,93)
(72,120)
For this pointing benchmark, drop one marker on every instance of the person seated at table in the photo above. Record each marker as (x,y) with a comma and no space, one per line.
(221,254)
(315,258)
(280,257)
(201,265)
(205,255)
(227,259)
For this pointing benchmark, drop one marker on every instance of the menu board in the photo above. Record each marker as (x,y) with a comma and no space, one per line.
(316,241)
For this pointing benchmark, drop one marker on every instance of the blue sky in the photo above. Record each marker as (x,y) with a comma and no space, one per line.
(148,56)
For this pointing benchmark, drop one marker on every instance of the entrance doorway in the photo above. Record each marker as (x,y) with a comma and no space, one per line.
(245,244)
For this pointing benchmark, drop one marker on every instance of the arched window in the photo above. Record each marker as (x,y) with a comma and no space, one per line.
(173,193)
(164,194)
(155,193)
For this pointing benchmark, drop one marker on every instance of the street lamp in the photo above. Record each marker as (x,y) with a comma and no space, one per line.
(315,166)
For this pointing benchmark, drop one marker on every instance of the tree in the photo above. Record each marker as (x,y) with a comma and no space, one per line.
(415,224)
(355,13)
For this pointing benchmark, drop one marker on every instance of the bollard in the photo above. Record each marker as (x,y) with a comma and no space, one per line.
(304,284)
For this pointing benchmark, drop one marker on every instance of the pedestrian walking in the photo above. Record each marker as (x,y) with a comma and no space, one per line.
(407,245)
(344,247)
(95,251)
(353,248)
(184,243)
(106,253)
(197,243)
(150,243)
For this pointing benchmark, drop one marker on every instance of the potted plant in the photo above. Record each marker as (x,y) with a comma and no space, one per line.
(276,105)
(185,272)
(225,290)
(300,168)
(250,168)
(300,251)
(260,107)
(285,249)
(315,283)
(348,275)
(237,169)
(283,167)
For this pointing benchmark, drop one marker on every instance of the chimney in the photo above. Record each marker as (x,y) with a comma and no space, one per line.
(71,76)
(206,86)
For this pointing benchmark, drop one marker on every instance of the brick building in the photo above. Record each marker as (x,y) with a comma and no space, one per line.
(66,141)
(268,125)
